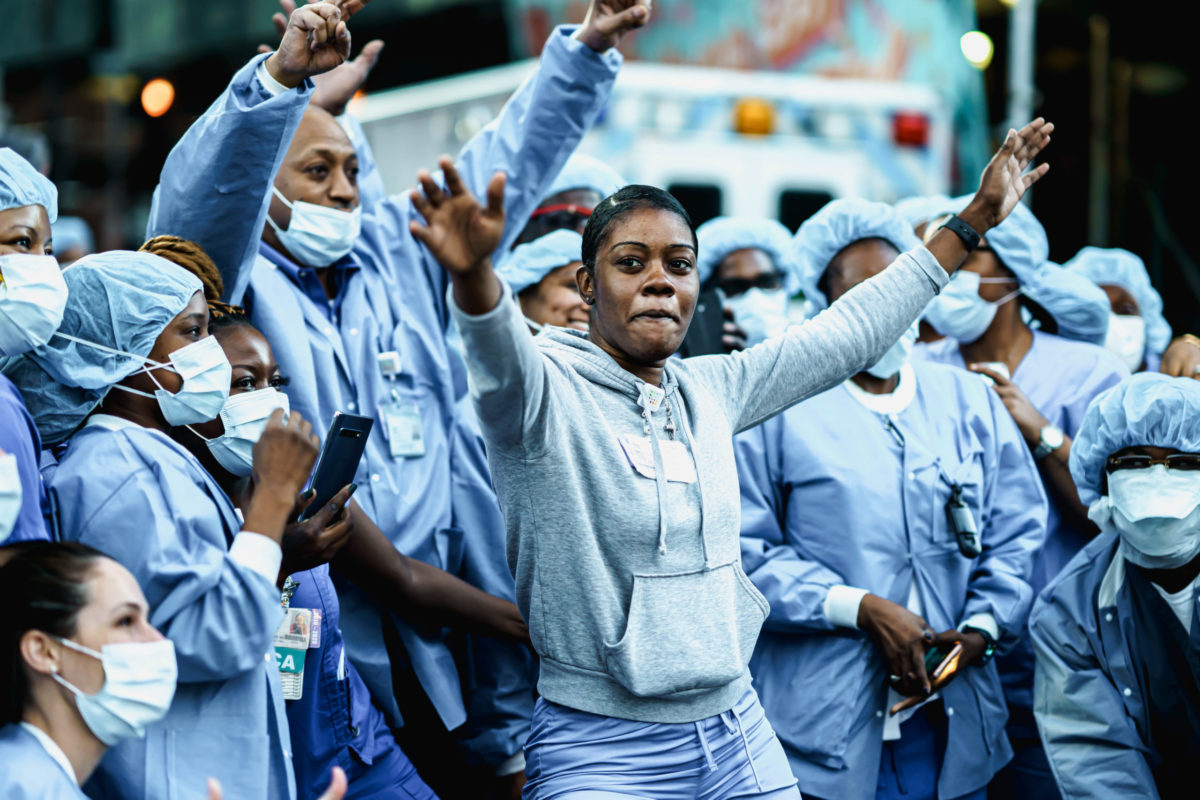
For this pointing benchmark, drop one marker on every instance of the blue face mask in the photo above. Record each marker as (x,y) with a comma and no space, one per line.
(761,313)
(959,312)
(897,355)
(317,235)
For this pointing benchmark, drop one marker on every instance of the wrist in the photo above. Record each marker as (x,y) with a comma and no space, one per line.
(276,70)
(978,216)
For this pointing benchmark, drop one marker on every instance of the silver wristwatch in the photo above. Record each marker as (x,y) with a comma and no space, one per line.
(1052,438)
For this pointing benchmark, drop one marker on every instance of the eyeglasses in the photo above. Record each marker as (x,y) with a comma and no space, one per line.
(1184,462)
(767,281)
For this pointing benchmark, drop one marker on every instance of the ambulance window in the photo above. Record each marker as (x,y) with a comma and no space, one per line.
(797,205)
(702,200)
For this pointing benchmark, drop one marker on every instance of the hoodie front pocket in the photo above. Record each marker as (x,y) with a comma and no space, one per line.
(689,630)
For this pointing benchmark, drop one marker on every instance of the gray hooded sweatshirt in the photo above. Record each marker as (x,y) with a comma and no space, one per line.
(622,509)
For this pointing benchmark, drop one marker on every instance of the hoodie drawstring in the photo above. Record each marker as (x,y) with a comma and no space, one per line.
(691,445)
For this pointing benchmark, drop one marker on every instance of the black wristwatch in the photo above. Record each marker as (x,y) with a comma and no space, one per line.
(955,224)
(988,651)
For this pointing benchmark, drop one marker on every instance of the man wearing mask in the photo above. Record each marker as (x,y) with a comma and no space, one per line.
(355,308)
(1117,687)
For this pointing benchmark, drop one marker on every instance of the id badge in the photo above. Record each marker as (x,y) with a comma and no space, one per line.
(402,429)
(291,646)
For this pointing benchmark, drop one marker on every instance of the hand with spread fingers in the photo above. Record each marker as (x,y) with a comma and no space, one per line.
(314,40)
(334,89)
(459,232)
(608,21)
(1005,180)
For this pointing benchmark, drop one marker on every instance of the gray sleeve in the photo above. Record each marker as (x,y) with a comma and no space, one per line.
(850,335)
(506,374)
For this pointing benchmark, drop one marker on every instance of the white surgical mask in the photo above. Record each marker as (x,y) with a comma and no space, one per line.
(244,417)
(33,296)
(317,235)
(1156,511)
(761,313)
(10,495)
(1126,339)
(205,371)
(897,355)
(959,312)
(139,684)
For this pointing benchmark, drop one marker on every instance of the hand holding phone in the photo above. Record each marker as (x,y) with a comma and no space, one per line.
(942,666)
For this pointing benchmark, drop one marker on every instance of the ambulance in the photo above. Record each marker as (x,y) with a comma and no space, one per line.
(759,144)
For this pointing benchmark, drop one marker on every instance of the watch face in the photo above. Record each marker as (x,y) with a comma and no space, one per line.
(1052,436)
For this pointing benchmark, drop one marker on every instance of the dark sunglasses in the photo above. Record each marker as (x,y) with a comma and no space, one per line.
(1185,462)
(561,215)
(735,286)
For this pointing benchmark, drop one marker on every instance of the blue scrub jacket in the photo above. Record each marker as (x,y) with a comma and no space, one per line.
(19,436)
(215,189)
(1088,697)
(829,497)
(141,498)
(1060,377)
(28,772)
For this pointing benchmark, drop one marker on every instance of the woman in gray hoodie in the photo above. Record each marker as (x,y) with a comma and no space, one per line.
(615,471)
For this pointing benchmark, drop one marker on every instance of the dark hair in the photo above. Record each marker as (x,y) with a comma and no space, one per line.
(625,201)
(41,588)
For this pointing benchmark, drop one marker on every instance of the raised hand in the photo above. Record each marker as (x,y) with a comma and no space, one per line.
(334,88)
(460,233)
(608,21)
(314,40)
(1004,179)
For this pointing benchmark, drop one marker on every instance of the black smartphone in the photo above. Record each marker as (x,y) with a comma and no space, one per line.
(708,326)
(343,449)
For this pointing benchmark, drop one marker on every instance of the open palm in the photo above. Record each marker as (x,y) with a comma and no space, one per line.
(460,233)
(1005,181)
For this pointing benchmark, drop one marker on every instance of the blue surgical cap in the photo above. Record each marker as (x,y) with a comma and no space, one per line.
(586,172)
(1080,308)
(526,265)
(1019,241)
(71,233)
(119,300)
(1147,409)
(919,210)
(837,225)
(1122,268)
(723,235)
(22,185)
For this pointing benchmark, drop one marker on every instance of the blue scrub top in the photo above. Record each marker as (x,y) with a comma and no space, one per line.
(215,189)
(19,436)
(28,772)
(1091,694)
(334,721)
(1060,377)
(141,498)
(836,494)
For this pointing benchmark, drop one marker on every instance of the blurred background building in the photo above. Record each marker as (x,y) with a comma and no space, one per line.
(909,95)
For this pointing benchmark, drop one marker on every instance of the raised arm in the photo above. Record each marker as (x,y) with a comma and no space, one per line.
(216,183)
(507,374)
(862,324)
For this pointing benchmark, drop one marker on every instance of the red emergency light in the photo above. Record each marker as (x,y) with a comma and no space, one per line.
(910,128)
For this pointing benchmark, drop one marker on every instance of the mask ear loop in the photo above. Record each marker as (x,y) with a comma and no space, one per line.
(148,365)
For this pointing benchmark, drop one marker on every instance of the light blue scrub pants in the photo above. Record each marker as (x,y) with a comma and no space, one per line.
(573,755)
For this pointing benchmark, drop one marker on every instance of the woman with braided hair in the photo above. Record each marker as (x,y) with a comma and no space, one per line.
(322,735)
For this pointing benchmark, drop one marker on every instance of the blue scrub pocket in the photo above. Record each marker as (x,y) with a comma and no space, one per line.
(688,630)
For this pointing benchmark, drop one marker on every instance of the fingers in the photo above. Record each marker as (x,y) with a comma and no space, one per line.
(991,373)
(433,192)
(1034,175)
(337,786)
(454,183)
(368,57)
(495,195)
(276,419)
(630,19)
(280,22)
(920,679)
(265,48)
(342,36)
(214,789)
